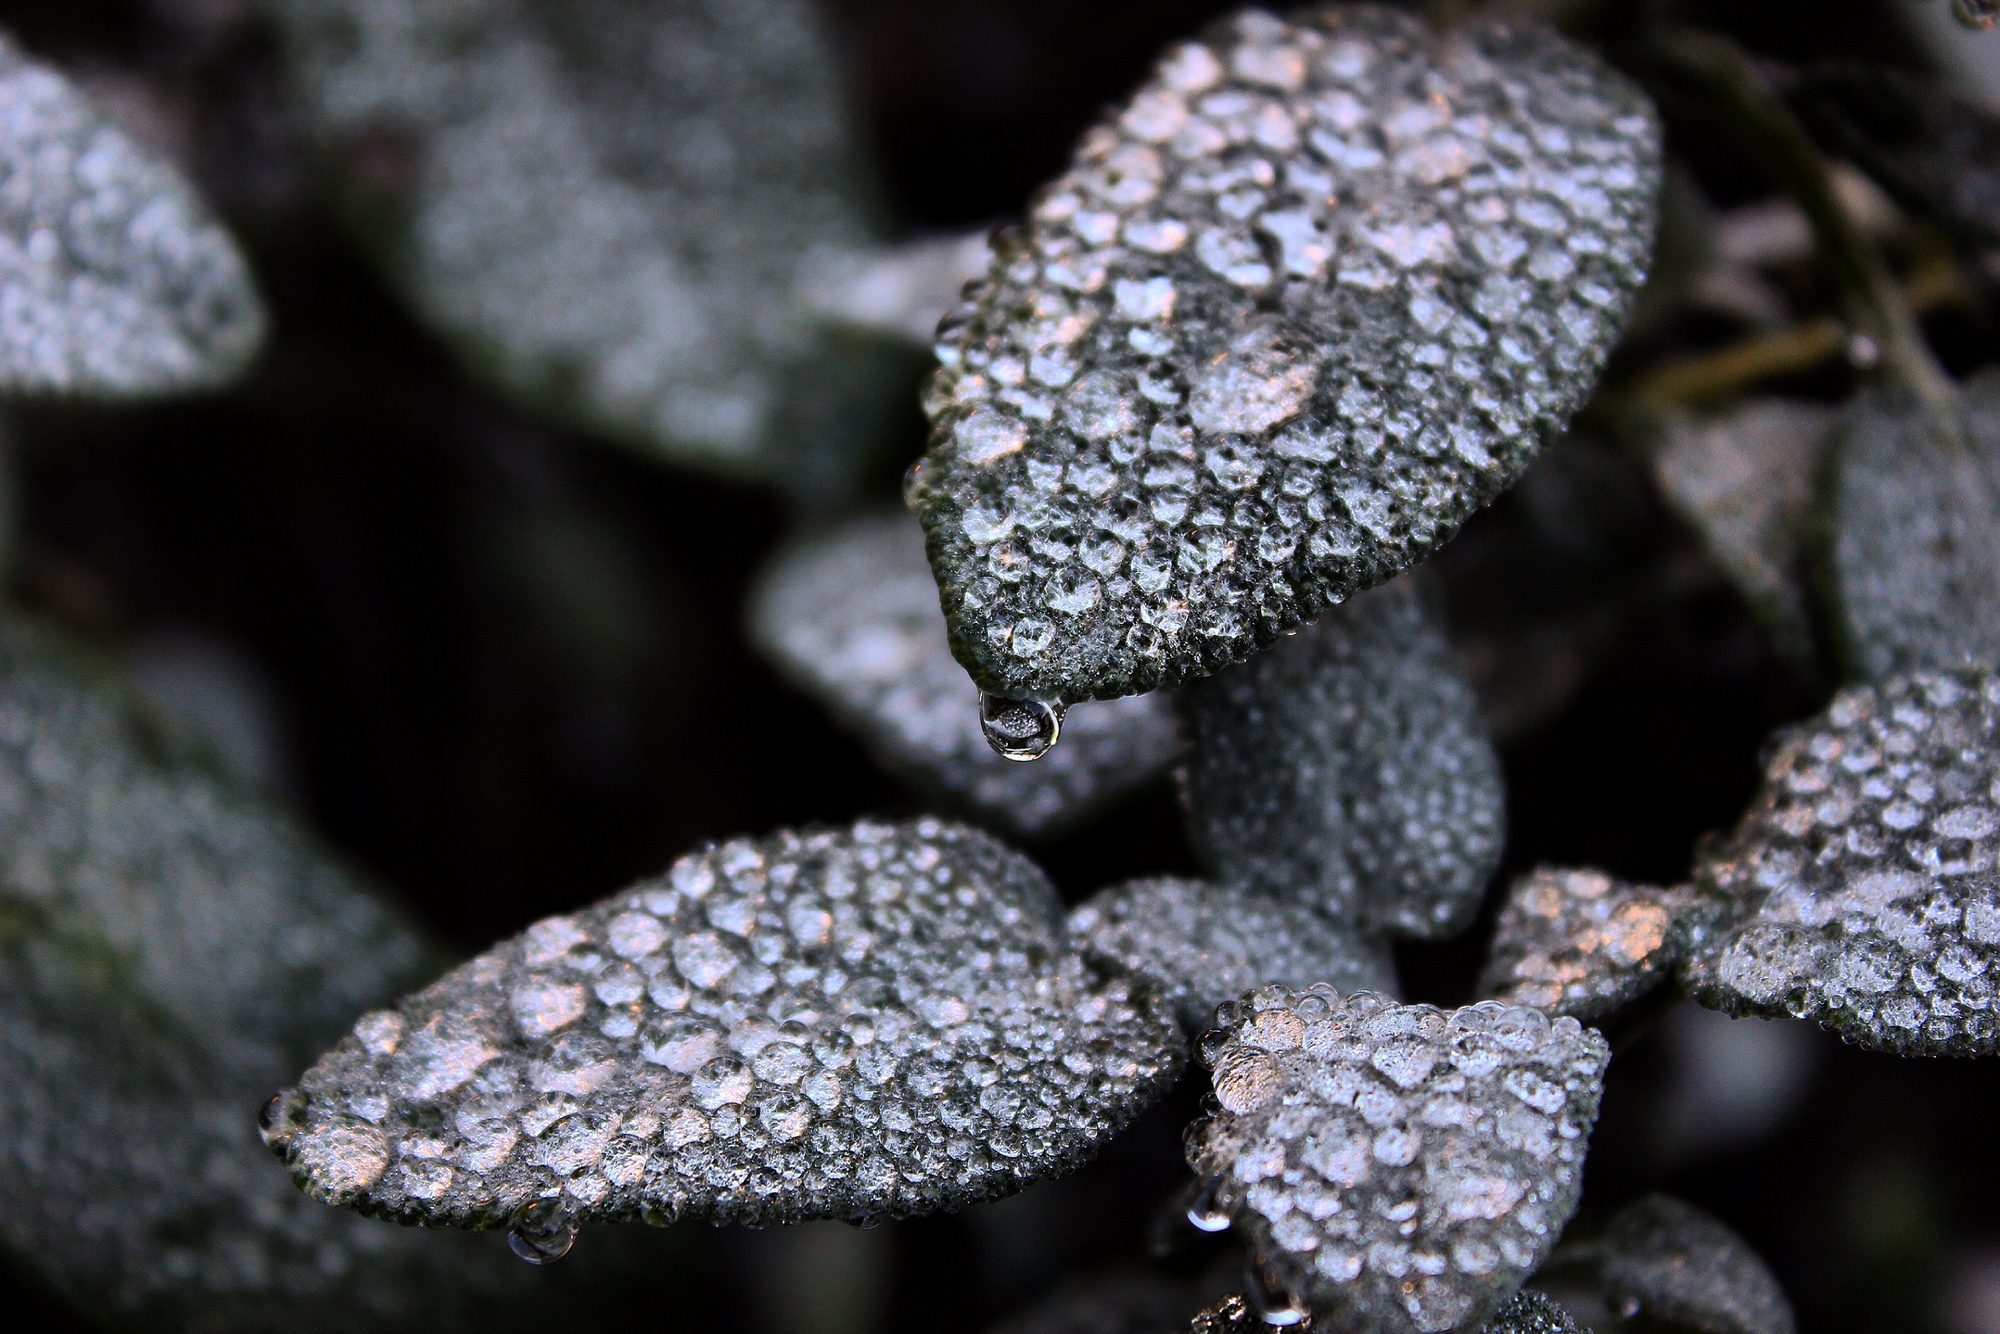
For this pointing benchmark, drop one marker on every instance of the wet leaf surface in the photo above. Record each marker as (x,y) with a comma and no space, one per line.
(1581,943)
(1672,1265)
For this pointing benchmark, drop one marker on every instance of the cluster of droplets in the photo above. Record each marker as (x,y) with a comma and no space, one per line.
(834,1024)
(114,278)
(1396,1168)
(1861,888)
(1318,291)
(1581,943)
(851,615)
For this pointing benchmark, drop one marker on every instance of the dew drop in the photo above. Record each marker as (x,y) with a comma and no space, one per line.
(1978,14)
(1275,1305)
(865,1222)
(1019,729)
(543,1233)
(1205,1209)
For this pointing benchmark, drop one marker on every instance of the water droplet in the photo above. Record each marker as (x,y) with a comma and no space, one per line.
(1019,729)
(913,485)
(1275,1305)
(1863,352)
(543,1233)
(1205,1209)
(1978,14)
(1629,1309)
(866,1222)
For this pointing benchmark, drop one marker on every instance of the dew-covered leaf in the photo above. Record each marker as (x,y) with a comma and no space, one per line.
(882,1020)
(1935,152)
(1916,534)
(169,949)
(1581,943)
(115,279)
(1396,1168)
(851,615)
(1204,943)
(1859,889)
(1524,1313)
(1674,1267)
(615,209)
(1318,292)
(1349,769)
(1744,479)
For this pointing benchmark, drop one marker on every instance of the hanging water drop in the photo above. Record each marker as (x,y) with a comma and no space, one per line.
(913,485)
(865,1222)
(543,1235)
(1205,1209)
(1020,729)
(1275,1305)
(1978,14)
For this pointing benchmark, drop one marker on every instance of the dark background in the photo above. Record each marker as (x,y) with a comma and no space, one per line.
(506,666)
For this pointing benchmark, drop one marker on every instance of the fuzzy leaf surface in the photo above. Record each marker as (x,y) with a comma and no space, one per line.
(1349,769)
(1859,889)
(851,615)
(1400,1168)
(1204,943)
(1315,294)
(1581,943)
(882,1020)
(115,279)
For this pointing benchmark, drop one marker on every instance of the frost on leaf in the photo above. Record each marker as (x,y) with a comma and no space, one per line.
(1349,769)
(1860,889)
(1916,535)
(114,277)
(1581,943)
(851,615)
(1397,1168)
(170,948)
(1744,480)
(1671,1265)
(824,1024)
(1318,292)
(1204,944)
(614,208)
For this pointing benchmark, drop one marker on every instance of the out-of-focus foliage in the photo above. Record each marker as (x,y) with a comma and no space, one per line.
(1581,943)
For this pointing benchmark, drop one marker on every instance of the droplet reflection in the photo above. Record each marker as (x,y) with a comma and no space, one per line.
(542,1246)
(1020,729)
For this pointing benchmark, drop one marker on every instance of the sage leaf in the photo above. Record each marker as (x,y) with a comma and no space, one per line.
(1397,1168)
(1317,292)
(1204,944)
(614,209)
(1671,1265)
(1583,944)
(1915,519)
(115,280)
(881,1020)
(850,615)
(1858,889)
(1744,480)
(1349,769)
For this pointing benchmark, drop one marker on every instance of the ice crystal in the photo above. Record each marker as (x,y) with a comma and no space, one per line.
(1916,535)
(614,207)
(1670,1264)
(851,615)
(1581,943)
(1318,291)
(824,1024)
(1744,479)
(1397,1167)
(1860,889)
(170,948)
(1349,769)
(1205,944)
(114,277)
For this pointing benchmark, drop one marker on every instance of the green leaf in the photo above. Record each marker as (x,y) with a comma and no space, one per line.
(1396,1168)
(881,1020)
(1203,944)
(616,210)
(1349,769)
(1313,296)
(116,279)
(850,615)
(1583,944)
(1857,891)
(1915,519)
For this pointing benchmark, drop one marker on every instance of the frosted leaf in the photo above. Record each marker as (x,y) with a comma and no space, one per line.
(881,1020)
(170,948)
(1318,292)
(1205,944)
(1349,769)
(1398,1168)
(615,209)
(1581,943)
(114,277)
(1744,479)
(1860,889)
(1916,535)
(1672,1265)
(851,615)
(1524,1313)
